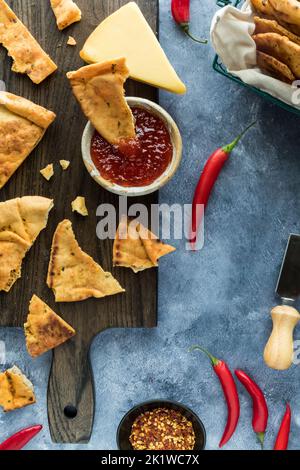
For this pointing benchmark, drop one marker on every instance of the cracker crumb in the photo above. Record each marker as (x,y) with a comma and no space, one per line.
(71,41)
(78,205)
(64,164)
(47,172)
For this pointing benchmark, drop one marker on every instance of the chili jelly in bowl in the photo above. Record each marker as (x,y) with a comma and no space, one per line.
(139,166)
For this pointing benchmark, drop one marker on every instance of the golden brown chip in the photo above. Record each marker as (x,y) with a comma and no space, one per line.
(128,249)
(66,12)
(263,25)
(28,56)
(274,67)
(21,221)
(264,8)
(154,247)
(136,247)
(281,48)
(22,126)
(44,329)
(99,88)
(16,391)
(73,274)
(288,10)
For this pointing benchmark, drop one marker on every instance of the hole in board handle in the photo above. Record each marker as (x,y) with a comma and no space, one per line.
(70,411)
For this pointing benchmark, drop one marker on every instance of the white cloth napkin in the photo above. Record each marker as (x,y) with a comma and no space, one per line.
(230,32)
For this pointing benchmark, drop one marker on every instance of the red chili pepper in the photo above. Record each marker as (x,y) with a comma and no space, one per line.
(282,439)
(230,393)
(181,14)
(21,438)
(260,408)
(207,180)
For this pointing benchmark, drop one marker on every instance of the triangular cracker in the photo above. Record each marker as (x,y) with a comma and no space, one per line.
(99,88)
(44,329)
(73,274)
(136,247)
(22,126)
(16,391)
(128,250)
(154,247)
(21,221)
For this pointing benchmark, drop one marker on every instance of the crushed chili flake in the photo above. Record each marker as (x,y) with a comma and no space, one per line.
(162,429)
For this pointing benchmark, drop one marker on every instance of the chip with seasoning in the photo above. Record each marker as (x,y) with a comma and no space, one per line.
(16,391)
(162,429)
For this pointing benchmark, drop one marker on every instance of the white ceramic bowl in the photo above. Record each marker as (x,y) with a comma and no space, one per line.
(159,182)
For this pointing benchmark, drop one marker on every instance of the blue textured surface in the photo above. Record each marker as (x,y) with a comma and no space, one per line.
(219,297)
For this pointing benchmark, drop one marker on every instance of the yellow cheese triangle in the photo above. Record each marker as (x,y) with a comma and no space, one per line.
(73,274)
(126,33)
(44,329)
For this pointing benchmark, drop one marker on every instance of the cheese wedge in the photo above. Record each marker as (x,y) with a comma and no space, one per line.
(126,33)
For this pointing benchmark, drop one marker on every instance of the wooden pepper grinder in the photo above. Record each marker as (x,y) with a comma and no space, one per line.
(278,353)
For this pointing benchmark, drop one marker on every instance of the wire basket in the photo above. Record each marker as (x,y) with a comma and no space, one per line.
(220,68)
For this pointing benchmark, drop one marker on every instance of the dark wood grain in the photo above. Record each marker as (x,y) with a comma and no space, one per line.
(70,382)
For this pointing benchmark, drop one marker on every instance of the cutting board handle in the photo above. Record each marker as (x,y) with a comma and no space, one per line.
(71,402)
(278,353)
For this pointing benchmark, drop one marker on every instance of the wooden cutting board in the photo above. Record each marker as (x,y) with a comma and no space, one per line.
(71,385)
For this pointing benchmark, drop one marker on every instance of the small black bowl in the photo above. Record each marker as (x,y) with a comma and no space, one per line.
(125,426)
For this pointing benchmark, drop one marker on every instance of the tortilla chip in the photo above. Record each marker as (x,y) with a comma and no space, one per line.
(154,247)
(274,67)
(99,88)
(66,13)
(128,249)
(79,206)
(21,221)
(74,275)
(71,41)
(16,391)
(281,48)
(44,329)
(136,247)
(47,172)
(263,25)
(64,164)
(22,126)
(288,10)
(264,8)
(28,56)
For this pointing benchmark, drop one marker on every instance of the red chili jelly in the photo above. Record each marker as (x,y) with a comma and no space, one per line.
(136,162)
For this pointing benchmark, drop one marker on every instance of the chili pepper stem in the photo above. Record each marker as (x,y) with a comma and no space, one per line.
(228,148)
(261,438)
(213,359)
(186,29)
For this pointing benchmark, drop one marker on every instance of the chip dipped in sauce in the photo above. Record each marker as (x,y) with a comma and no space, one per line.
(136,162)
